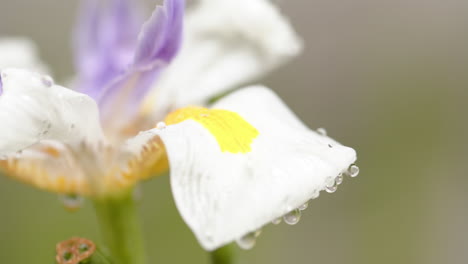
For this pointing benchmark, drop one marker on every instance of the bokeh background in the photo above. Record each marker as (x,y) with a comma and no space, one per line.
(387,77)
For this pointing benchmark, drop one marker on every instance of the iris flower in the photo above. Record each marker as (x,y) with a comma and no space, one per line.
(140,107)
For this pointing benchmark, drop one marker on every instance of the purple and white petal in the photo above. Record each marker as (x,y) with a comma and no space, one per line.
(226,44)
(158,43)
(160,38)
(105,41)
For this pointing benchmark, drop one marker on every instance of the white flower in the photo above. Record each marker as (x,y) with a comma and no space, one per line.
(234,167)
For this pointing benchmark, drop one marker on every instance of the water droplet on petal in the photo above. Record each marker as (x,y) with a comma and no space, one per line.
(353,170)
(71,202)
(321,131)
(292,217)
(331,189)
(258,232)
(277,221)
(304,206)
(330,182)
(339,179)
(47,80)
(247,241)
(161,125)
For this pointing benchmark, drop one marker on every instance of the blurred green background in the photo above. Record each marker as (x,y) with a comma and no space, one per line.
(387,77)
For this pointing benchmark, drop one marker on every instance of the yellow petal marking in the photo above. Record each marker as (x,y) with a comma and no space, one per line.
(232,132)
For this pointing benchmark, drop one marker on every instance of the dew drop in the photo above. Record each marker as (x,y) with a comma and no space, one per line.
(71,202)
(321,131)
(353,170)
(292,217)
(277,221)
(258,232)
(339,179)
(331,189)
(304,206)
(47,80)
(330,182)
(247,241)
(161,125)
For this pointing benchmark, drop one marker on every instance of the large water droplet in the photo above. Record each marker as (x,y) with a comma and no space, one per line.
(247,241)
(292,217)
(304,206)
(161,125)
(353,170)
(321,131)
(331,189)
(71,202)
(339,179)
(277,221)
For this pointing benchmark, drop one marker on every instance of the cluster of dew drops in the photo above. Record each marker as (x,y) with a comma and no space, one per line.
(74,202)
(248,241)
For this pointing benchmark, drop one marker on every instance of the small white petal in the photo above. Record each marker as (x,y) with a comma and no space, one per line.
(34,109)
(226,44)
(221,195)
(20,53)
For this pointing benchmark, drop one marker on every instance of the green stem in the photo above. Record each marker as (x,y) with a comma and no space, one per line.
(224,255)
(120,228)
(98,258)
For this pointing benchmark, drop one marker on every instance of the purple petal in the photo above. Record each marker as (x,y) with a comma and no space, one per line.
(158,43)
(105,42)
(160,38)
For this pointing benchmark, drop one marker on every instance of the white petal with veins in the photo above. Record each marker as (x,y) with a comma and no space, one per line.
(32,109)
(223,196)
(226,44)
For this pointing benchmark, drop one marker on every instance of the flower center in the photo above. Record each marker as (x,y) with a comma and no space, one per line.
(231,131)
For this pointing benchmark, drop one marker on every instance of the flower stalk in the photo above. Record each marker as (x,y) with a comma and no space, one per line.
(224,255)
(120,229)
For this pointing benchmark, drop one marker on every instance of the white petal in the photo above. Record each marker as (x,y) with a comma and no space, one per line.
(32,108)
(223,196)
(20,53)
(226,44)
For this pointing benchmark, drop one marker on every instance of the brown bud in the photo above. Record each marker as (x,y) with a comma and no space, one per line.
(74,250)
